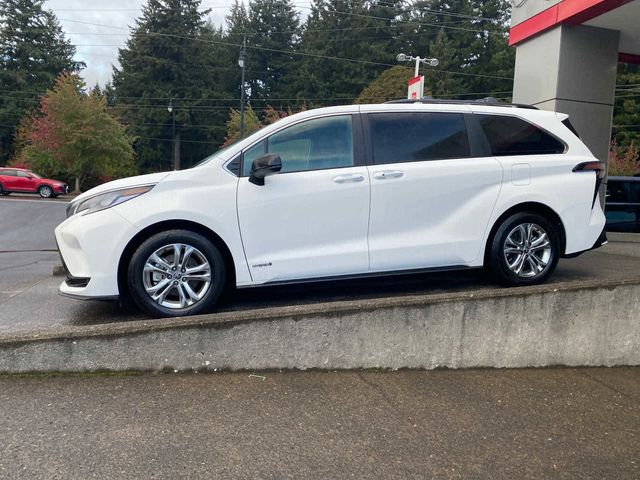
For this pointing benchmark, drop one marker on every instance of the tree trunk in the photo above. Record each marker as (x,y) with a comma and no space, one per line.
(76,189)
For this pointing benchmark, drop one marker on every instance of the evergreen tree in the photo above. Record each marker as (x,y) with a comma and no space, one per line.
(626,112)
(170,56)
(468,38)
(365,32)
(33,52)
(274,32)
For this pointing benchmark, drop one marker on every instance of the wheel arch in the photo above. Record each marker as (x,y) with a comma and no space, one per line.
(150,230)
(530,207)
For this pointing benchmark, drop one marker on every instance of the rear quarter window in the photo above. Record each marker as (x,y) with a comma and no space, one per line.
(514,136)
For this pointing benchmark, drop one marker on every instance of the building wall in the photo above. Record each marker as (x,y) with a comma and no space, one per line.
(572,69)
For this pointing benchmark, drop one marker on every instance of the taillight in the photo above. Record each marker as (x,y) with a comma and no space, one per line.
(595,166)
(600,168)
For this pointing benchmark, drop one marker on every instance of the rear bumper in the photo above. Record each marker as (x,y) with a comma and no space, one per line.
(602,240)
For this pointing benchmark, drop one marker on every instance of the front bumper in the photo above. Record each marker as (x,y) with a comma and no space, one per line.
(60,189)
(90,247)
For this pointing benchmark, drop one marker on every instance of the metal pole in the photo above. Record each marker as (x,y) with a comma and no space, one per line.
(173,133)
(243,57)
(417,71)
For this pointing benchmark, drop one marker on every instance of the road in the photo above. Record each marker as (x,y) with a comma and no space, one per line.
(29,299)
(480,424)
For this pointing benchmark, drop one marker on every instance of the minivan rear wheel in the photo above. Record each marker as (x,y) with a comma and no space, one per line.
(176,273)
(524,250)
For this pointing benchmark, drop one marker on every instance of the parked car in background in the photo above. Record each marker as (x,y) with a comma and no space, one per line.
(20,180)
(343,192)
(622,207)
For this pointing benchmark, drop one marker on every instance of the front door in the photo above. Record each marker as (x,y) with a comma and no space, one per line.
(24,182)
(310,220)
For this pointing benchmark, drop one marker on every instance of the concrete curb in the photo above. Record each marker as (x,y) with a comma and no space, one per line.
(579,323)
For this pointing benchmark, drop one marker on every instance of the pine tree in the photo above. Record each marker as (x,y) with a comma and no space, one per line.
(33,52)
(365,33)
(626,112)
(274,29)
(172,55)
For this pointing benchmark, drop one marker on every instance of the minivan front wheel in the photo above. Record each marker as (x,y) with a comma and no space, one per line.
(524,250)
(176,273)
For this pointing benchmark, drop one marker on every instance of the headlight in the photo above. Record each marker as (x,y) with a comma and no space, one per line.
(106,200)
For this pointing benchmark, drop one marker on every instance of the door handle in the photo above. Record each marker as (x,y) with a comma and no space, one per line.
(388,174)
(349,178)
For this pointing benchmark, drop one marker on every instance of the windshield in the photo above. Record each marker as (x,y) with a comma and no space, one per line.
(216,154)
(33,174)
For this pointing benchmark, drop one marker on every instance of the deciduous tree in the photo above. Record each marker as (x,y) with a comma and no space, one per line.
(73,135)
(33,52)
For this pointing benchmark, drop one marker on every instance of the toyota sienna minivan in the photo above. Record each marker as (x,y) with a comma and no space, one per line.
(341,192)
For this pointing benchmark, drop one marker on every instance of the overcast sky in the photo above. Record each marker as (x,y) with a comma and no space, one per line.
(98,28)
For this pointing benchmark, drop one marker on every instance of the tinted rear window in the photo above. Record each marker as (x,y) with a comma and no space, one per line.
(9,173)
(415,137)
(514,136)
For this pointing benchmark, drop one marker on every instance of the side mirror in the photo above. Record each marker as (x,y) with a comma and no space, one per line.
(264,166)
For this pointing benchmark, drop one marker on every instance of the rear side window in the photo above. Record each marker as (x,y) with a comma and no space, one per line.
(8,173)
(416,137)
(514,136)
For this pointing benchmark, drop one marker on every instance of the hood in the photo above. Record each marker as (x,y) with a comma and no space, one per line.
(124,183)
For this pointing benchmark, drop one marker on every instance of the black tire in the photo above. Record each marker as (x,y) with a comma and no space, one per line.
(136,278)
(45,191)
(537,265)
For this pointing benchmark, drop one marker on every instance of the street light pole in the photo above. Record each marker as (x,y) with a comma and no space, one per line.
(432,62)
(242,62)
(172,111)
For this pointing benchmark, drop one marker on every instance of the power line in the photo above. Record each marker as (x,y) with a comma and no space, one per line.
(293,52)
(412,22)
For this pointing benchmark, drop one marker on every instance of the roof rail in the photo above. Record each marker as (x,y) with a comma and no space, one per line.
(481,101)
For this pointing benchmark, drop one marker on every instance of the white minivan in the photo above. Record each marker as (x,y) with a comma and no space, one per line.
(341,192)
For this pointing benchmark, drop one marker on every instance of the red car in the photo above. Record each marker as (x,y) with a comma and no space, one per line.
(24,181)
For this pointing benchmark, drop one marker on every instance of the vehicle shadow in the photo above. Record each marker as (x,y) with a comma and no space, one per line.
(100,312)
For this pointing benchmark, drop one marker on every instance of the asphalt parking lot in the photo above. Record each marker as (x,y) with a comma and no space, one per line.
(29,299)
(473,424)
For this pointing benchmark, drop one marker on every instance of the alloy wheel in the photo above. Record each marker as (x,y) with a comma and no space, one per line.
(45,192)
(527,250)
(176,276)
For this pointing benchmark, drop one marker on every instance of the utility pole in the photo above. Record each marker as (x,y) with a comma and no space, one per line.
(175,146)
(242,60)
